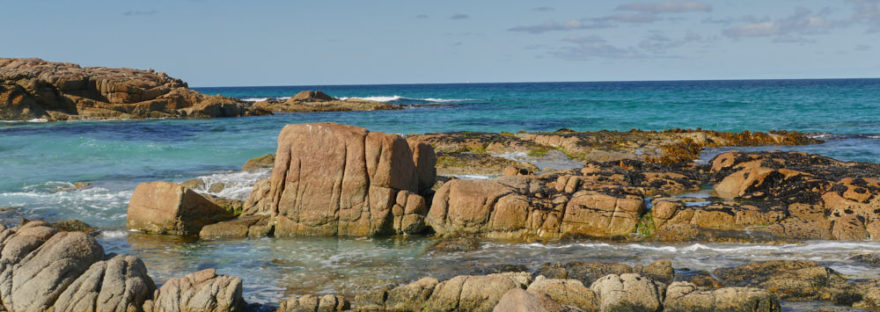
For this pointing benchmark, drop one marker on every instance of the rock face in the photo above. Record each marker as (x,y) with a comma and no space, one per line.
(331,179)
(169,208)
(792,280)
(200,291)
(41,269)
(34,88)
(534,206)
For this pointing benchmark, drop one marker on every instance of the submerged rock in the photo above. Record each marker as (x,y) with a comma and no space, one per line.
(169,208)
(791,280)
(262,162)
(74,225)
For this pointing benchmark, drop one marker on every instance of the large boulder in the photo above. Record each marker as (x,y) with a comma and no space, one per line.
(38,264)
(790,279)
(325,303)
(686,297)
(118,284)
(628,292)
(200,291)
(169,208)
(518,300)
(331,179)
(567,292)
(549,206)
(474,293)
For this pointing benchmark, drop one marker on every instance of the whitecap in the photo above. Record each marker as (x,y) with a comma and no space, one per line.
(236,185)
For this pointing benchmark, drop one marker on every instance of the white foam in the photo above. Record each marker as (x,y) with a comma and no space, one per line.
(255,99)
(392,98)
(237,185)
(113,234)
(472,176)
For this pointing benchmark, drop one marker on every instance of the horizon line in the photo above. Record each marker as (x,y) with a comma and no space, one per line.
(526,82)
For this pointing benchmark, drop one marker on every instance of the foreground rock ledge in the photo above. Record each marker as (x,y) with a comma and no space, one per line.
(42,269)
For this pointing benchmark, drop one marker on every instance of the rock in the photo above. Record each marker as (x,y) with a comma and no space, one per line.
(474,293)
(586,272)
(259,202)
(311,303)
(702,279)
(81,185)
(217,187)
(312,96)
(265,161)
(518,300)
(73,225)
(660,270)
(425,161)
(567,292)
(331,179)
(245,227)
(477,163)
(193,184)
(515,171)
(683,296)
(628,292)
(37,265)
(33,88)
(200,291)
(454,244)
(412,296)
(118,284)
(789,279)
(317,101)
(534,206)
(169,208)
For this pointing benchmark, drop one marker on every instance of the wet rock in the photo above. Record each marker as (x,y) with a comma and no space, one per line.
(33,88)
(478,163)
(683,296)
(566,292)
(245,227)
(74,225)
(200,291)
(312,303)
(454,244)
(675,219)
(193,184)
(518,300)
(259,201)
(515,171)
(586,272)
(628,292)
(789,279)
(217,187)
(169,208)
(81,185)
(118,284)
(262,162)
(354,180)
(38,264)
(702,279)
(660,270)
(869,259)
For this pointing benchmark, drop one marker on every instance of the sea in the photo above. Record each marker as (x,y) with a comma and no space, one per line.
(40,162)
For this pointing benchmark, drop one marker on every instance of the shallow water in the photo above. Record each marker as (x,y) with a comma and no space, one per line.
(40,161)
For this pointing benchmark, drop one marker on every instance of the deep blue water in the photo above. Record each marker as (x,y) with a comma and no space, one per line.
(39,161)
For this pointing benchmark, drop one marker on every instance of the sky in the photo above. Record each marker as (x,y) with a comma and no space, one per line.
(253,43)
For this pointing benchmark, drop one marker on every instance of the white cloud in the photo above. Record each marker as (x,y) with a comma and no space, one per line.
(666,7)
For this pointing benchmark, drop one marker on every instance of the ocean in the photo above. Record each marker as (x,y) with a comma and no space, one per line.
(39,162)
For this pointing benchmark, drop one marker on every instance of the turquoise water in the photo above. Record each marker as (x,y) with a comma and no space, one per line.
(40,161)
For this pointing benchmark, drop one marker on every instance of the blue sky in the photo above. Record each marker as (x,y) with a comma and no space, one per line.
(227,43)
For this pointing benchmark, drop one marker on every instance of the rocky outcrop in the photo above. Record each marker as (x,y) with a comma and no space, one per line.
(42,269)
(518,300)
(169,208)
(262,162)
(534,206)
(317,101)
(200,291)
(792,280)
(326,303)
(687,297)
(331,179)
(569,292)
(34,88)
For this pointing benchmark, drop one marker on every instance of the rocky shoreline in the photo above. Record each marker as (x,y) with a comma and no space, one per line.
(34,89)
(336,180)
